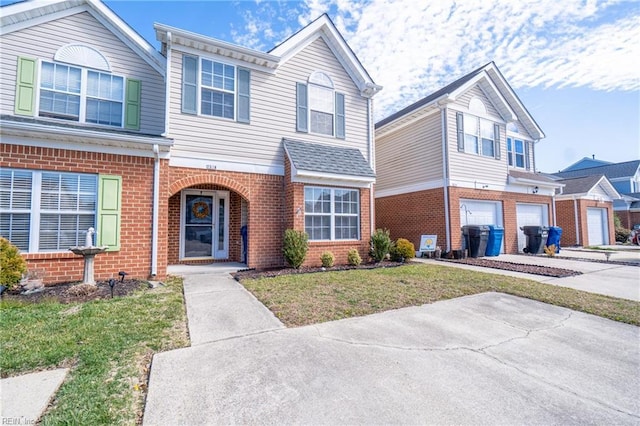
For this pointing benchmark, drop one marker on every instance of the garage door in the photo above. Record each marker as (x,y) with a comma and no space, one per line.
(597,228)
(530,215)
(474,212)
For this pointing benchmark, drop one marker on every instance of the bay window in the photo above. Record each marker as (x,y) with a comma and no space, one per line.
(332,213)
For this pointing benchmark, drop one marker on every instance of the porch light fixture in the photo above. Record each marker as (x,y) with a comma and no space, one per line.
(534,190)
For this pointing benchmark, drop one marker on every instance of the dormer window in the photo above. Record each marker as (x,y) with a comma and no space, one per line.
(320,109)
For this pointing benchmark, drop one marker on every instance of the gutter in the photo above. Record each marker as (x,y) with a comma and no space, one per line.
(575,212)
(167,85)
(155,206)
(372,163)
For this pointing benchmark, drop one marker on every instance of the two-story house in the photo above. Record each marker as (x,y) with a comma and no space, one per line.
(182,155)
(81,121)
(464,155)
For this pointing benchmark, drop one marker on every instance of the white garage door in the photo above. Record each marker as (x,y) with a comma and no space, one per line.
(597,228)
(530,215)
(474,212)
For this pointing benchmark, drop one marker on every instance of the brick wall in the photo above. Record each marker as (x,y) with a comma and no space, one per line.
(628,218)
(134,255)
(294,219)
(566,218)
(264,195)
(412,215)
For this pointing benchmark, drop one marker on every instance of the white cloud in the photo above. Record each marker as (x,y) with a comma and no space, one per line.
(414,47)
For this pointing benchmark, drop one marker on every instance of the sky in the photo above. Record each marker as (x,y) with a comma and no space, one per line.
(573,63)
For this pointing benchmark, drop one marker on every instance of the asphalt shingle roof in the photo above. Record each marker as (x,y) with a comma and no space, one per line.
(327,159)
(580,185)
(611,171)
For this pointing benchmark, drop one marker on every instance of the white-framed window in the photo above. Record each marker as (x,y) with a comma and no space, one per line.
(320,109)
(79,94)
(331,213)
(479,136)
(46,211)
(516,152)
(215,89)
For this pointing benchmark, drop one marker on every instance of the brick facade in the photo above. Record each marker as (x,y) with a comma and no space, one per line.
(566,217)
(423,212)
(628,218)
(294,219)
(134,255)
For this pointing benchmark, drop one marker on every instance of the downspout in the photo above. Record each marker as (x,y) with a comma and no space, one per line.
(372,161)
(445,177)
(167,85)
(156,198)
(575,212)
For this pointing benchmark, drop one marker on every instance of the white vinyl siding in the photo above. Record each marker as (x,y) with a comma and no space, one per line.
(83,28)
(273,114)
(411,155)
(42,211)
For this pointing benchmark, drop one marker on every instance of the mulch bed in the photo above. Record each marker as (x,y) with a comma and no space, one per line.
(276,272)
(516,267)
(72,292)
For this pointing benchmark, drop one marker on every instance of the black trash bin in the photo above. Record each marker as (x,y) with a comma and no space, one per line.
(536,238)
(476,237)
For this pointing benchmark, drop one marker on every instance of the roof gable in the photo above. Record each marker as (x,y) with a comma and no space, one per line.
(26,14)
(492,83)
(324,28)
(585,163)
(584,186)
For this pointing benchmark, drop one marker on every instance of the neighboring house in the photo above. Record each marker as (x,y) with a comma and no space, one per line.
(463,155)
(585,163)
(584,211)
(82,117)
(258,142)
(625,178)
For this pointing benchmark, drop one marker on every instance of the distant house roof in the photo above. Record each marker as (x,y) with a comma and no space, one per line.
(584,185)
(584,163)
(327,160)
(611,171)
(490,79)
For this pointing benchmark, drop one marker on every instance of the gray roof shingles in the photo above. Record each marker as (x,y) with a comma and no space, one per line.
(327,159)
(611,171)
(580,185)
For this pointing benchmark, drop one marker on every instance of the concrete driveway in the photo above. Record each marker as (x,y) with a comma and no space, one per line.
(483,359)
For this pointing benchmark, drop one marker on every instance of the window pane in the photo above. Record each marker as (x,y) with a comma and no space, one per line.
(470,143)
(486,129)
(321,123)
(321,99)
(487,147)
(346,228)
(15,228)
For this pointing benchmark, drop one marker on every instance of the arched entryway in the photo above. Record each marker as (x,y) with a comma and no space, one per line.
(206,219)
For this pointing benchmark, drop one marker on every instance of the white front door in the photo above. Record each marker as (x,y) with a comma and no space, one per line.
(530,215)
(204,225)
(597,228)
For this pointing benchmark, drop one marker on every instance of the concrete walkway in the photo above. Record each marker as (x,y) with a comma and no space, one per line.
(218,307)
(484,359)
(603,278)
(24,398)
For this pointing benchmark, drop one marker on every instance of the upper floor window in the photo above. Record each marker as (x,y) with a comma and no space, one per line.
(518,153)
(78,94)
(478,136)
(214,88)
(320,109)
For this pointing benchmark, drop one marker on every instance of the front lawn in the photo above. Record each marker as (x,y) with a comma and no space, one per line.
(107,344)
(303,299)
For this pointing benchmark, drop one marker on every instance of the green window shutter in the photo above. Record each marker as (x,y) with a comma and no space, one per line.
(189,84)
(109,211)
(460,130)
(244,83)
(302,116)
(340,116)
(132,106)
(496,136)
(26,87)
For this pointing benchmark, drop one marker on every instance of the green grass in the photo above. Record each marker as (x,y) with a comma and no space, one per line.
(107,345)
(303,299)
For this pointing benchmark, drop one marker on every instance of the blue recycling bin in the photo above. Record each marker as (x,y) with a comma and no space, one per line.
(245,242)
(494,241)
(555,232)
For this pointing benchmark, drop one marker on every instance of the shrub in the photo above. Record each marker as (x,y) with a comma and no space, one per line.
(622,233)
(380,244)
(353,257)
(12,265)
(402,250)
(294,247)
(327,258)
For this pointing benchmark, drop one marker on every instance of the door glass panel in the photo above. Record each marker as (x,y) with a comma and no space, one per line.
(221,223)
(198,237)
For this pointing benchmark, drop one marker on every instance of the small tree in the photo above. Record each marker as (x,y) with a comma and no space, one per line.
(12,265)
(295,247)
(380,244)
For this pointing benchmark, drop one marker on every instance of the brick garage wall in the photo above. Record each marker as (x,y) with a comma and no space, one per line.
(584,229)
(628,218)
(566,219)
(235,239)
(264,195)
(412,215)
(134,255)
(294,219)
